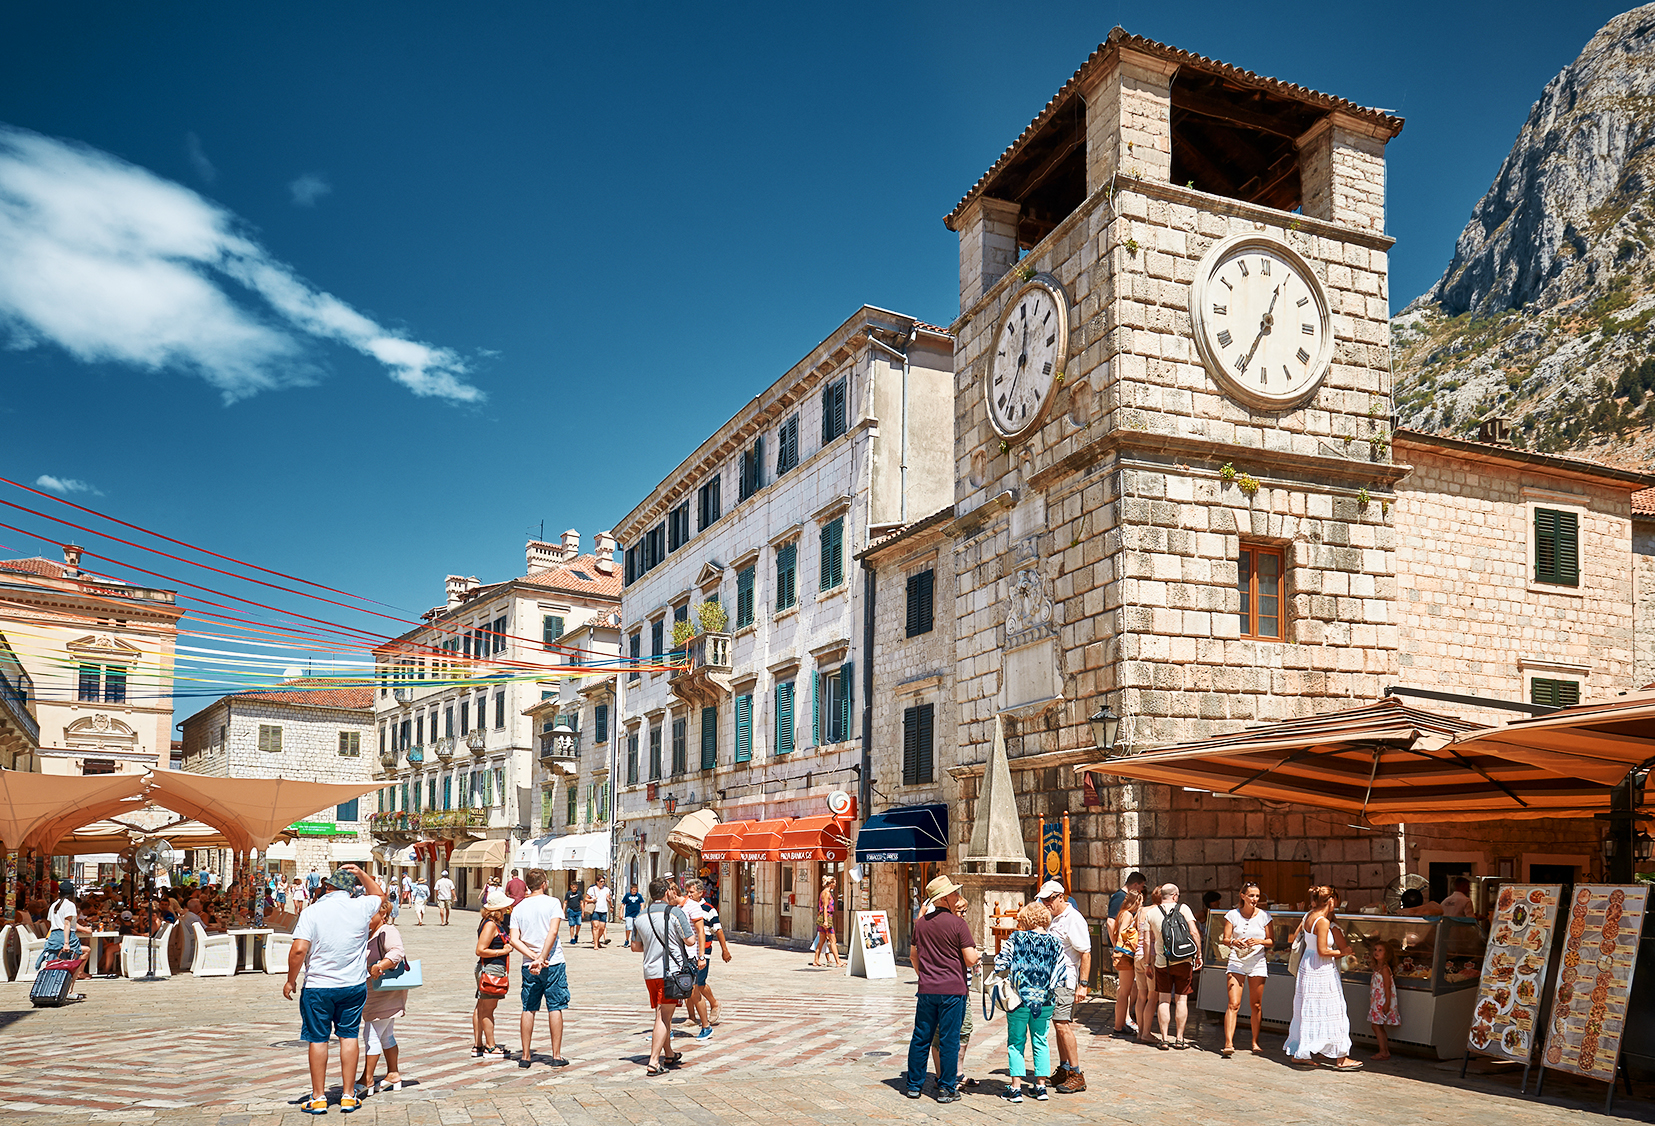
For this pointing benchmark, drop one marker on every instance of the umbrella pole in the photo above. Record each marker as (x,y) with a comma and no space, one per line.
(11,885)
(258,900)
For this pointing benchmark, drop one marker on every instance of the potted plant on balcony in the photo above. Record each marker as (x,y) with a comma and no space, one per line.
(711,617)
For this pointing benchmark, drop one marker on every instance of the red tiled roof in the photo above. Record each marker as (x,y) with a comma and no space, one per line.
(1643,502)
(49,568)
(313,692)
(589,580)
(1120,37)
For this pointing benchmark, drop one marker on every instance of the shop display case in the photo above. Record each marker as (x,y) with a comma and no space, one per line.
(1436,962)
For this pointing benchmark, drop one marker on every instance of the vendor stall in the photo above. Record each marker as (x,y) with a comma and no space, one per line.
(1437,959)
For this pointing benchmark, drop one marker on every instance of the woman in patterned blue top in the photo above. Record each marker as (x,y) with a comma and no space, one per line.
(1032,958)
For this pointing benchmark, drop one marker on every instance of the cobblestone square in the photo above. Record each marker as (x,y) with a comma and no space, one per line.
(793,1044)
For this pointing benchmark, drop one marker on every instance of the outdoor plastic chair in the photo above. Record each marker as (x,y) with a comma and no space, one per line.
(276,949)
(215,954)
(135,954)
(32,947)
(5,937)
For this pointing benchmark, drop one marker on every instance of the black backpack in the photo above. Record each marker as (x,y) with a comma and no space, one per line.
(1176,939)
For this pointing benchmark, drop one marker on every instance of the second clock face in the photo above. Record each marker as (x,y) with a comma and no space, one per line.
(1028,355)
(1261,321)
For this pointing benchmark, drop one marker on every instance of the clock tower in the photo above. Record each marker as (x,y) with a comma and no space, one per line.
(1172,425)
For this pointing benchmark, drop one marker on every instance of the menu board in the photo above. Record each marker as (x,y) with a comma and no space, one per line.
(1514,970)
(1595,982)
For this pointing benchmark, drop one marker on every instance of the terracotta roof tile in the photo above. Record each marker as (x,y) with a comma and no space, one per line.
(1119,37)
(1643,502)
(313,692)
(578,576)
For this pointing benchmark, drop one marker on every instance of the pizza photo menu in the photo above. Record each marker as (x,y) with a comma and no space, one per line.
(1594,983)
(1503,1023)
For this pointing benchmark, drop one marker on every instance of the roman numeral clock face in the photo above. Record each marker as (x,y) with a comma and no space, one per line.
(1261,322)
(1029,353)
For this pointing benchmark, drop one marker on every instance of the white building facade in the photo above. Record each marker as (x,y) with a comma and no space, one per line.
(742,563)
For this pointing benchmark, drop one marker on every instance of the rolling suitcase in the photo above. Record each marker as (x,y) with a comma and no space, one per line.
(54,982)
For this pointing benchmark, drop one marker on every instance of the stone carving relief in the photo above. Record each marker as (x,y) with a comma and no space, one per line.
(1031,612)
(100,732)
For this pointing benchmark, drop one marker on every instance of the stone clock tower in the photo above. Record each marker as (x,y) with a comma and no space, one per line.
(1172,429)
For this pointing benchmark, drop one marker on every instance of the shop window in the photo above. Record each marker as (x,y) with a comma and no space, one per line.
(1259,581)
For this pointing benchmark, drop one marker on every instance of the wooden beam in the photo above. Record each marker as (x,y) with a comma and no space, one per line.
(1206,105)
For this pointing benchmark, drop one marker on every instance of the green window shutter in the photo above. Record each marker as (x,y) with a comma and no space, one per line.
(815,708)
(1556,547)
(1568,549)
(846,674)
(709,738)
(551,628)
(910,746)
(833,557)
(922,762)
(744,728)
(784,718)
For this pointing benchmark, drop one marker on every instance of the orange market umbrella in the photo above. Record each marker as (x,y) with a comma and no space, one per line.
(1602,741)
(260,808)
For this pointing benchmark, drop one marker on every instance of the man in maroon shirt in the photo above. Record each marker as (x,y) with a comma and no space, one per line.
(516,888)
(943,954)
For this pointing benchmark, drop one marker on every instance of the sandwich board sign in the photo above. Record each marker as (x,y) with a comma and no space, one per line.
(871,954)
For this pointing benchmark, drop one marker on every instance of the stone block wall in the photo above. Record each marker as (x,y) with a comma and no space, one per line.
(1643,574)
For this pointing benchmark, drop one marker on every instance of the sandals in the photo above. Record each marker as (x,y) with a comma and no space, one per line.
(1163,1045)
(314,1106)
(672,1060)
(478,1051)
(1226,1053)
(1351,1065)
(499,1050)
(1181,1044)
(654,1069)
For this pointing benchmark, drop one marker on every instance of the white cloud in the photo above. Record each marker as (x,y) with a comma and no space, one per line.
(309,188)
(198,158)
(65,485)
(114,264)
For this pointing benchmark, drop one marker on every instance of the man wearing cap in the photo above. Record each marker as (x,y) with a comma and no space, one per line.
(330,944)
(943,954)
(445,897)
(1069,925)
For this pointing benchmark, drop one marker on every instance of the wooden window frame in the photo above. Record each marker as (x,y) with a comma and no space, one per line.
(1250,628)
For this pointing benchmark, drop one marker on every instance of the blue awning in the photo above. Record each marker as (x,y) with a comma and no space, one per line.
(908,834)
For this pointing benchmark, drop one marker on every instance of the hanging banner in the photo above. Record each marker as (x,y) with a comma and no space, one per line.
(1505,1019)
(1594,985)
(871,954)
(1051,851)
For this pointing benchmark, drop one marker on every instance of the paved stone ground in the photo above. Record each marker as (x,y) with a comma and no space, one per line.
(794,1044)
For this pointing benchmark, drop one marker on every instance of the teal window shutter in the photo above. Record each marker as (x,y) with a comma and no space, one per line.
(709,738)
(845,672)
(784,718)
(815,708)
(833,557)
(744,728)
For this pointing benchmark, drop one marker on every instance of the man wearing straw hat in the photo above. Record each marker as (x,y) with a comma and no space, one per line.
(943,954)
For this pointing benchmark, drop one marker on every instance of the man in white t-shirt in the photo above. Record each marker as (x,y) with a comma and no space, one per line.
(330,944)
(601,898)
(445,897)
(1069,926)
(534,934)
(1457,904)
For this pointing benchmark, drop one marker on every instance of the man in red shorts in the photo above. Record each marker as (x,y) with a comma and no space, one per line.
(1174,977)
(666,939)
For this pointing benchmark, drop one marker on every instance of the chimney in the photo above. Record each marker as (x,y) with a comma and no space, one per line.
(541,555)
(571,545)
(603,551)
(1496,430)
(71,559)
(460,588)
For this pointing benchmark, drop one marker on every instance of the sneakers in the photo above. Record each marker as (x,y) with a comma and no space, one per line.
(1039,1093)
(705,1033)
(949,1095)
(1012,1094)
(912,1093)
(1074,1084)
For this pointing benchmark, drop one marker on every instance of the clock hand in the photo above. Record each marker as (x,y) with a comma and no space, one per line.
(1264,325)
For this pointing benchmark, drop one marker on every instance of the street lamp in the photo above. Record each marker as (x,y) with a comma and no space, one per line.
(1105,726)
(1643,846)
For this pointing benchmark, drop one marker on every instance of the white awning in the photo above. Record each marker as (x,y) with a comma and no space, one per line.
(579,850)
(281,850)
(351,852)
(528,853)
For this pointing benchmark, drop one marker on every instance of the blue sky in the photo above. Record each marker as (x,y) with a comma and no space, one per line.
(402,281)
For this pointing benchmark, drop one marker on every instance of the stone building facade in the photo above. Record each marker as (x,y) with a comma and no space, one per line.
(1643,556)
(454,749)
(764,519)
(307,729)
(1204,550)
(100,655)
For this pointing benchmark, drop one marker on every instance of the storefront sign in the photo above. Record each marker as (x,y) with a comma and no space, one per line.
(870,946)
(1514,970)
(312,828)
(894,856)
(1594,985)
(813,854)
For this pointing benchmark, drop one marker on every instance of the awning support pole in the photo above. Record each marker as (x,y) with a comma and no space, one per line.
(11,884)
(258,900)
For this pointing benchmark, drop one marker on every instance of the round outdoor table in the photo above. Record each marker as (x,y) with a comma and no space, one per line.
(247,946)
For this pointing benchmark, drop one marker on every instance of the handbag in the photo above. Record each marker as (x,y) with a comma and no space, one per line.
(1296,953)
(493,982)
(406,975)
(677,983)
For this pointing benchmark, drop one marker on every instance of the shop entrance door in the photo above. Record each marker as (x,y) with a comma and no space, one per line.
(746,892)
(1442,875)
(1553,874)
(910,880)
(789,885)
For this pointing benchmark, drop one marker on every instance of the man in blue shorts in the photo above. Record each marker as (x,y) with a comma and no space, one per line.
(573,907)
(534,927)
(631,904)
(330,944)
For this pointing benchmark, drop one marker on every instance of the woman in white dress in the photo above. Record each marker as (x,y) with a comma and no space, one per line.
(1247,934)
(1321,1023)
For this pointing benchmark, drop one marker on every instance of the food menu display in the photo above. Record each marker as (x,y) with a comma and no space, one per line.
(1599,952)
(1503,1022)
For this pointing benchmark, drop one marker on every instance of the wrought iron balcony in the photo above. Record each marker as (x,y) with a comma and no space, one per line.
(14,701)
(703,675)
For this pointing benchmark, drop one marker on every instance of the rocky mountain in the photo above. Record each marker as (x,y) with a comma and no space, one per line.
(1544,315)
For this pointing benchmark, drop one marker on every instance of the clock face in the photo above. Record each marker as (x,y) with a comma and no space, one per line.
(1261,321)
(1028,356)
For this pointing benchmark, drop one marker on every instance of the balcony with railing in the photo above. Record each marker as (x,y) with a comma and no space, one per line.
(702,675)
(477,744)
(414,755)
(443,748)
(16,689)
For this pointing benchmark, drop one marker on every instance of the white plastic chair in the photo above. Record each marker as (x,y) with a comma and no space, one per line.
(5,937)
(215,954)
(135,954)
(32,948)
(277,947)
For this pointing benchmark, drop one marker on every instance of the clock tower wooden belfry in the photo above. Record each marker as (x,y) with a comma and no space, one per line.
(1172,426)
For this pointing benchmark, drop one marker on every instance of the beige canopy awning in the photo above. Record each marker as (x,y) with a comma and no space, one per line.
(259,809)
(1386,762)
(29,802)
(686,837)
(481,854)
(117,835)
(1602,741)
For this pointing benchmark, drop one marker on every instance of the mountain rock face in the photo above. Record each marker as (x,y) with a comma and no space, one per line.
(1543,316)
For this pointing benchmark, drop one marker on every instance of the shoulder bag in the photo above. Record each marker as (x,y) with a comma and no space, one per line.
(403,975)
(677,983)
